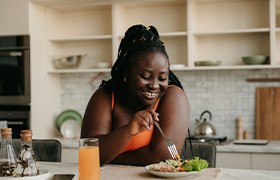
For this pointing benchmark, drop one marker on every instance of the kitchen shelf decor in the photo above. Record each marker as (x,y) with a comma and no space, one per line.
(193,30)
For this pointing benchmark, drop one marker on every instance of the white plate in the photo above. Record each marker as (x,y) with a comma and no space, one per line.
(44,175)
(70,129)
(171,174)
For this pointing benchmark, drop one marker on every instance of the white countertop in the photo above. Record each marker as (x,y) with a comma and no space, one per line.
(271,147)
(118,172)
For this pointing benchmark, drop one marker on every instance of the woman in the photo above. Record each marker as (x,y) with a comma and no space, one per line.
(142,89)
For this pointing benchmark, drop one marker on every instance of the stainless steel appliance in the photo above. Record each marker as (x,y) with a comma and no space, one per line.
(14,70)
(17,117)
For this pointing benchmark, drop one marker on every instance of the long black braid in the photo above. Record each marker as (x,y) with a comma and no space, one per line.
(138,39)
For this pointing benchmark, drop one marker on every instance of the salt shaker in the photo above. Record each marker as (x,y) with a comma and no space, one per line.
(8,160)
(27,165)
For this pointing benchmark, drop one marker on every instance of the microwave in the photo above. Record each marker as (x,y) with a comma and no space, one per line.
(14,70)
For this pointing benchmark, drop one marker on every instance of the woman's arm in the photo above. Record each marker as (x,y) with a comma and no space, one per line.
(173,118)
(97,122)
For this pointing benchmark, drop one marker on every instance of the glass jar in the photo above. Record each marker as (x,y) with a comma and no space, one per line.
(26,160)
(8,160)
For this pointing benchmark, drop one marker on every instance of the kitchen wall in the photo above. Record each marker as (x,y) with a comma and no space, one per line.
(14,17)
(225,93)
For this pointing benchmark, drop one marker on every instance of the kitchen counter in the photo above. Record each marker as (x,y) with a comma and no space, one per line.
(68,143)
(271,147)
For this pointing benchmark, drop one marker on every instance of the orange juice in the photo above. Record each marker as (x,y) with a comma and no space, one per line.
(89,165)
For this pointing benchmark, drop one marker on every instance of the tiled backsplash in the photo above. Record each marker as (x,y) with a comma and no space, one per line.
(226,94)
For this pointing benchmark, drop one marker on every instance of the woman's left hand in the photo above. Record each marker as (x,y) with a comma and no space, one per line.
(141,121)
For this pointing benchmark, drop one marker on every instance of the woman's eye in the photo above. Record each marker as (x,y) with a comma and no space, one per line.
(145,77)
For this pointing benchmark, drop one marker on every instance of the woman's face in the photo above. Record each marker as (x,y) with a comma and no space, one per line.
(147,79)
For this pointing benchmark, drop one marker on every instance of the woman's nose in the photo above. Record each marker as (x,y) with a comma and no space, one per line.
(154,84)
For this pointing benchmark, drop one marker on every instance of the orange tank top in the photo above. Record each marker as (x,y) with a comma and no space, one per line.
(139,140)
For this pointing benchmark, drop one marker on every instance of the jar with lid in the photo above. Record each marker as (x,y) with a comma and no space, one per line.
(26,160)
(8,160)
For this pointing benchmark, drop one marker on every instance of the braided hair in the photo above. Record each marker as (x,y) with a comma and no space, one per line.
(138,39)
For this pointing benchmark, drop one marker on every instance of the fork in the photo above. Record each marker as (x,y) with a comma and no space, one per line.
(170,144)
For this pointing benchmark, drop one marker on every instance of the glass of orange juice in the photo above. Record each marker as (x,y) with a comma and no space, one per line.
(89,163)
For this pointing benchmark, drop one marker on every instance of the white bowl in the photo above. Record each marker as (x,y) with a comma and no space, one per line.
(103,65)
(70,129)
(68,62)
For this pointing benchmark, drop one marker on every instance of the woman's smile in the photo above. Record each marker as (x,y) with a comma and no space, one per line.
(150,95)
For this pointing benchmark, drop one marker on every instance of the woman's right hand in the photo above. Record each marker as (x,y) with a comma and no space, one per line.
(141,121)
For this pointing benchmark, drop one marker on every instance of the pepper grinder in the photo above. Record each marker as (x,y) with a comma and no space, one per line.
(239,128)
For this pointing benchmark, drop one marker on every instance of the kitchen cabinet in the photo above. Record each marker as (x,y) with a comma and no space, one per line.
(70,155)
(191,29)
(261,161)
(233,160)
(266,161)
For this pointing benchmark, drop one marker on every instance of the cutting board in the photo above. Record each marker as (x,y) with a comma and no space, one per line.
(268,113)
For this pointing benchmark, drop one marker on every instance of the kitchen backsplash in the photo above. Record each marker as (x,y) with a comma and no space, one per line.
(225,93)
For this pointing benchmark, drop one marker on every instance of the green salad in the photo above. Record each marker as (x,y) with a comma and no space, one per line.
(170,165)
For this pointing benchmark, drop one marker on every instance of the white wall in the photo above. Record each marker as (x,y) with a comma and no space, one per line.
(13,17)
(226,94)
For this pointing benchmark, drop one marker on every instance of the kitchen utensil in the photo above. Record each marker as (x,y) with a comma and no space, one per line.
(66,115)
(257,59)
(204,127)
(268,113)
(103,65)
(68,62)
(70,129)
(207,63)
(170,145)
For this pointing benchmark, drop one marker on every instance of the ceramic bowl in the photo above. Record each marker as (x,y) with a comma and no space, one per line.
(257,59)
(68,62)
(207,63)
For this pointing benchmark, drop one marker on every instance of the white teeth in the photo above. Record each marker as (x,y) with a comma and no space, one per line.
(150,94)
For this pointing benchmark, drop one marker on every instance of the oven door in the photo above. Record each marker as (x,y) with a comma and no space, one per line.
(17,120)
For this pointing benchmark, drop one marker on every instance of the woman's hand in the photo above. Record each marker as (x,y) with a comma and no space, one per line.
(141,121)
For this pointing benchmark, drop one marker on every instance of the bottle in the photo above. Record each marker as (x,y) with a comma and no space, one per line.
(26,160)
(8,160)
(239,128)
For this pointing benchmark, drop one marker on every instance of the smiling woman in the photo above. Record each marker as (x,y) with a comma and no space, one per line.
(142,90)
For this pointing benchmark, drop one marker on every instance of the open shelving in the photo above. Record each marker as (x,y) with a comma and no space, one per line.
(192,30)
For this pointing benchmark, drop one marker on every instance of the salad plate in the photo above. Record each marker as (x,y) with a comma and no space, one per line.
(43,175)
(148,168)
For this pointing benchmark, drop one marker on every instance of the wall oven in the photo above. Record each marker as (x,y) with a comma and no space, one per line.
(14,70)
(15,82)
(17,118)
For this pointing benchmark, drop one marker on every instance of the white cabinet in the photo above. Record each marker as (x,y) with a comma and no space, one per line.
(261,161)
(266,161)
(192,30)
(233,160)
(70,155)
(85,29)
(14,17)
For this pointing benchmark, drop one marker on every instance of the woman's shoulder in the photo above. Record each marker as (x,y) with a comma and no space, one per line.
(102,94)
(173,89)
(174,94)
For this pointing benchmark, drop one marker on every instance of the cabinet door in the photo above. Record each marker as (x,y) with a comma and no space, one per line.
(233,160)
(266,161)
(70,155)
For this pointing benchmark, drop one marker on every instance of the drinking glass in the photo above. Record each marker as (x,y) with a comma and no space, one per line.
(89,163)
